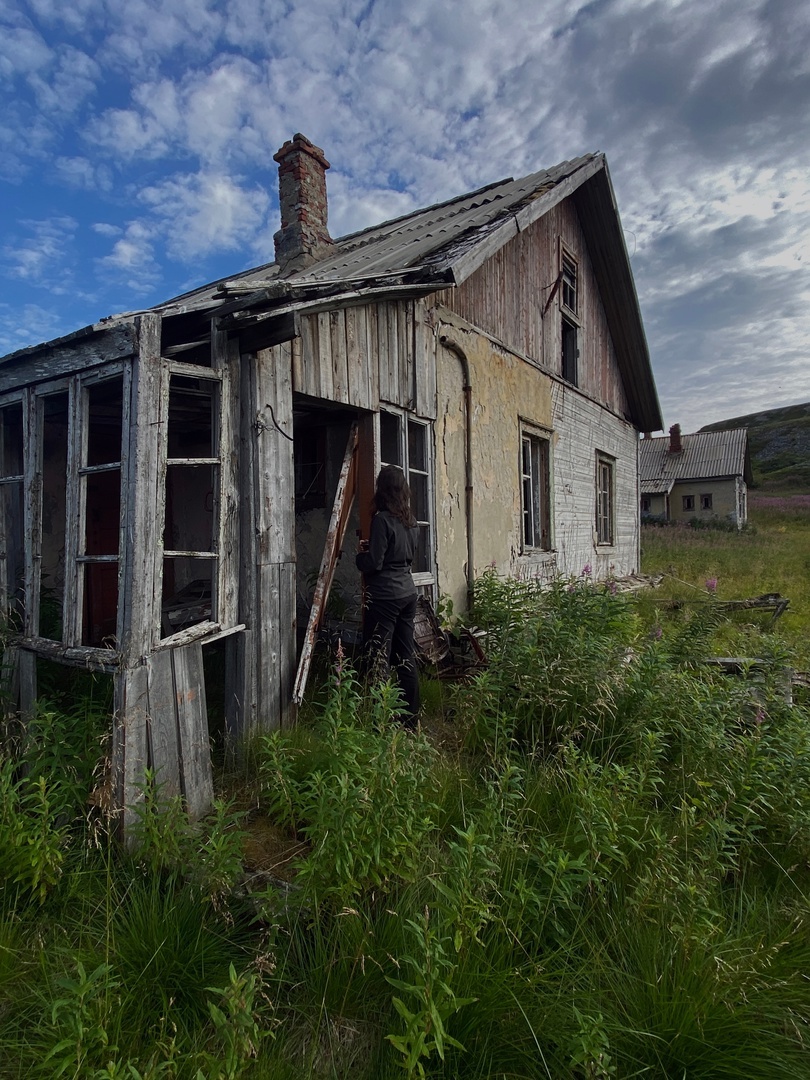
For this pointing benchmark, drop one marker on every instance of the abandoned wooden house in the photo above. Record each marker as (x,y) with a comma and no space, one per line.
(179,480)
(703,476)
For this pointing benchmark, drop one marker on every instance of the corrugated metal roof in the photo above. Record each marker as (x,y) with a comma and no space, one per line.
(706,455)
(403,243)
(438,247)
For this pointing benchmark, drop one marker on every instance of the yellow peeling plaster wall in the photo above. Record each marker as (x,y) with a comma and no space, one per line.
(505,390)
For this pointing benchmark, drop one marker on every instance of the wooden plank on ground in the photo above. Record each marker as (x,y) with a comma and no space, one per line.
(130,750)
(192,725)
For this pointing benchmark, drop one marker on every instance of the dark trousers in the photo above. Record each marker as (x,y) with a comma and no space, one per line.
(388,643)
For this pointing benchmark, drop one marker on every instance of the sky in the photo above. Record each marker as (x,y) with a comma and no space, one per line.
(137,142)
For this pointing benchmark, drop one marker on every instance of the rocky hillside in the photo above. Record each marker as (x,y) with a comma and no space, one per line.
(779,441)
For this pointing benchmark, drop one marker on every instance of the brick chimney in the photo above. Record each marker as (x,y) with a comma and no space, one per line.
(675,444)
(303,237)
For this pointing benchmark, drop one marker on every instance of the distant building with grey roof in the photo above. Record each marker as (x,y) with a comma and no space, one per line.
(702,476)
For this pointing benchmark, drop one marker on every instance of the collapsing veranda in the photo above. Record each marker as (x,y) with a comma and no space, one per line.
(174,480)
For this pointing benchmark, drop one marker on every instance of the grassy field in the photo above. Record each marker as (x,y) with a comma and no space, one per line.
(771,556)
(592,862)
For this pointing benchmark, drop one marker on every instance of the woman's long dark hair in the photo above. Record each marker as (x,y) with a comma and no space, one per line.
(393,494)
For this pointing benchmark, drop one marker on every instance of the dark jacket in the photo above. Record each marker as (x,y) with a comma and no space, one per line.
(386,566)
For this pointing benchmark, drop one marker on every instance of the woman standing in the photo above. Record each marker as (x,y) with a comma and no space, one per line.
(385,563)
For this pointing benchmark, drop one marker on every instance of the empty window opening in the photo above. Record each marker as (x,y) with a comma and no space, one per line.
(535,487)
(688,502)
(191,504)
(570,352)
(705,502)
(12,530)
(100,500)
(605,468)
(54,412)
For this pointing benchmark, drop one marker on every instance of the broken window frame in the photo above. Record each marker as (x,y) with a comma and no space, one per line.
(33,402)
(209,612)
(605,499)
(535,488)
(405,420)
(570,323)
(9,481)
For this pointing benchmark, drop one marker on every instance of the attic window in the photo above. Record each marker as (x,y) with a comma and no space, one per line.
(569,283)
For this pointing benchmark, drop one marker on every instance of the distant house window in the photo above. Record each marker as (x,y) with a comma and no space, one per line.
(705,502)
(535,491)
(689,502)
(605,468)
(645,504)
(569,305)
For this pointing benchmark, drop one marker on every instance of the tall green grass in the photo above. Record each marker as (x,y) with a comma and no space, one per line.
(603,873)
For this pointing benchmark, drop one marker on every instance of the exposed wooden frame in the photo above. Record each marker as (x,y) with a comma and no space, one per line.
(341,508)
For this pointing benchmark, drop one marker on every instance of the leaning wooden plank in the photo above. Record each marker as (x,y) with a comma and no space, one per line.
(245,695)
(192,724)
(227,598)
(130,754)
(164,751)
(344,496)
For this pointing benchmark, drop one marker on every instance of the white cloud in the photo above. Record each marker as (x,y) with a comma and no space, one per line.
(205,212)
(39,258)
(132,258)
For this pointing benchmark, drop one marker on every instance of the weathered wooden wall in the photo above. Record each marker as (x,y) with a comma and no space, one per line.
(361,356)
(507,295)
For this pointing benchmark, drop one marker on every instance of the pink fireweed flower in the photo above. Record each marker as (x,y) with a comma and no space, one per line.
(587,570)
(656,633)
(711,584)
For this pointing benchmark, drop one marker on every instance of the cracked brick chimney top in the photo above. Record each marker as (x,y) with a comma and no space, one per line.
(303,237)
(675,444)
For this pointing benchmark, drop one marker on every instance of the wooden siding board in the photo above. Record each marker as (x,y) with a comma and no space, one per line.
(141,553)
(164,756)
(339,358)
(324,356)
(276,530)
(50,362)
(130,749)
(192,727)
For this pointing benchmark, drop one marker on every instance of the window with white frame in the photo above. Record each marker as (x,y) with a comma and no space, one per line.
(406,441)
(605,498)
(191,501)
(535,490)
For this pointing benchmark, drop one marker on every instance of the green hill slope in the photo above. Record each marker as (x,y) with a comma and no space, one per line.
(779,441)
